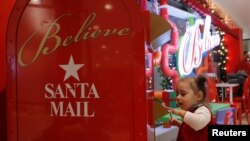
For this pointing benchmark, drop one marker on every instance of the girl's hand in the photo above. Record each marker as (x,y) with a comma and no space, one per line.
(178,112)
(175,122)
(167,107)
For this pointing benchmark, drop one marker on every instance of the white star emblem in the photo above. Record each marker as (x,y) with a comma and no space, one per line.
(71,69)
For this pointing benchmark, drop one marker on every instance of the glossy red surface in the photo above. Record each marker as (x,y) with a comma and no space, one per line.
(235,52)
(103,99)
(5,10)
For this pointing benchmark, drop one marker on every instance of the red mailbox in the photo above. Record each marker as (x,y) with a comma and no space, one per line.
(75,71)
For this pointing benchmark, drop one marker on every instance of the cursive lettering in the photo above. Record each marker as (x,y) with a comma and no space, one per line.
(52,40)
(193,45)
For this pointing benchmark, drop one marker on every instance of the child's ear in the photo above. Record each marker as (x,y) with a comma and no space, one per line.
(200,96)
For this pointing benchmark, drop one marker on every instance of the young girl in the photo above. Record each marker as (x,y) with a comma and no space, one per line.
(191,98)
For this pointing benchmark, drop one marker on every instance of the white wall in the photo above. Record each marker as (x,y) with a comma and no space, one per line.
(247,45)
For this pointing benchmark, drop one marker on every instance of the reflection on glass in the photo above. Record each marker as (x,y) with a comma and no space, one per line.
(108,6)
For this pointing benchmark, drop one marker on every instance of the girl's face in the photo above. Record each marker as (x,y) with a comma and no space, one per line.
(186,96)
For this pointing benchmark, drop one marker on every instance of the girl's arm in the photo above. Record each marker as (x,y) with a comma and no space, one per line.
(197,120)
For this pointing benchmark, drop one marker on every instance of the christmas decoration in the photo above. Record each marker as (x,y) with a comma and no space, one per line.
(221,57)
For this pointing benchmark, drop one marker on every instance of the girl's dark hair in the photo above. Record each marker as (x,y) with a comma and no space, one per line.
(201,85)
